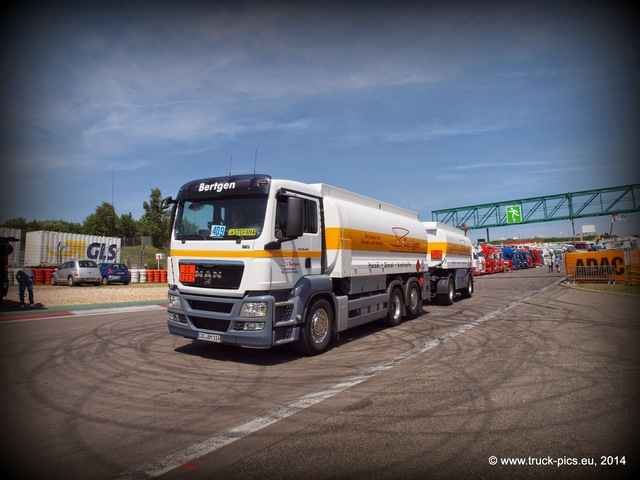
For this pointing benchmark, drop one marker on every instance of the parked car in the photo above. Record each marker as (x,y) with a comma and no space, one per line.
(114,272)
(76,272)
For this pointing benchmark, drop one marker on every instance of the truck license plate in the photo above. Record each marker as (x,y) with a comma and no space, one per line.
(209,337)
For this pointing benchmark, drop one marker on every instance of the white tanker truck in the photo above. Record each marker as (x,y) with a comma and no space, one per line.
(450,262)
(259,262)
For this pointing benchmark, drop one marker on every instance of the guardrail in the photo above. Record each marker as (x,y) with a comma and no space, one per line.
(602,274)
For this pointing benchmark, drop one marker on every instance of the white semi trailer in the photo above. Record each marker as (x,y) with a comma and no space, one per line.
(450,262)
(53,248)
(259,262)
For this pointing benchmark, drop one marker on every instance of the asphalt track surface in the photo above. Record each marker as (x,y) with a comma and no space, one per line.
(527,379)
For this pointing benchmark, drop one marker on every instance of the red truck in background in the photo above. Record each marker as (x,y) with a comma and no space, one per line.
(493,258)
(488,257)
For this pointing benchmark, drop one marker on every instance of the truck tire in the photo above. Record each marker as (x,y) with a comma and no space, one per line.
(447,298)
(468,291)
(394,307)
(414,304)
(316,333)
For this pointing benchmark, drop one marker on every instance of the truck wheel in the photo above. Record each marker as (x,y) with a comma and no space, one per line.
(317,331)
(468,292)
(394,309)
(447,298)
(415,302)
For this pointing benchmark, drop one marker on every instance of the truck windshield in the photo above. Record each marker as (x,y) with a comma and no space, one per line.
(220,218)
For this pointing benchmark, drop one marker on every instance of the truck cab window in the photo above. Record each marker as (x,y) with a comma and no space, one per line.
(220,219)
(281,218)
(310,217)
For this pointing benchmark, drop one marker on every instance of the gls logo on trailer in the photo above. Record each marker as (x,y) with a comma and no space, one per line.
(100,251)
(79,249)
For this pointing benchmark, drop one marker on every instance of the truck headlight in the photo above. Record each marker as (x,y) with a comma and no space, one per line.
(174,302)
(253,310)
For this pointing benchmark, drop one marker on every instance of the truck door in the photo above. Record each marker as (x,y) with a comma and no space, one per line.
(306,250)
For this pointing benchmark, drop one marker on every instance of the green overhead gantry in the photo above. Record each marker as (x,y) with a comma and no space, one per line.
(564,206)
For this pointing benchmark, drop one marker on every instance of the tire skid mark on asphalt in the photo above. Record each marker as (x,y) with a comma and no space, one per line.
(130,308)
(23,317)
(189,453)
(83,312)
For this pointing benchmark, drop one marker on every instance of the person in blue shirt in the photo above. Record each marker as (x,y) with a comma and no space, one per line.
(25,282)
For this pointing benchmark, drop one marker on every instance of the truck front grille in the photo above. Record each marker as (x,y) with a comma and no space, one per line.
(208,306)
(222,275)
(204,323)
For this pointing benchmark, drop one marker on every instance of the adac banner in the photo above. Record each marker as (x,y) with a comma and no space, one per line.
(625,269)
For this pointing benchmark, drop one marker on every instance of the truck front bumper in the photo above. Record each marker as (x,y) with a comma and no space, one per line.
(218,320)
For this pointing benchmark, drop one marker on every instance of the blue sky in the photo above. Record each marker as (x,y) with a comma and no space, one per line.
(427,105)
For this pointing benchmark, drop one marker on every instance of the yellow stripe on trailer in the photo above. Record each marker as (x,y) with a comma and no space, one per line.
(450,248)
(359,240)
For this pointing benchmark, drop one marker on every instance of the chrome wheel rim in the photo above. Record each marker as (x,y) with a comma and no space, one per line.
(319,326)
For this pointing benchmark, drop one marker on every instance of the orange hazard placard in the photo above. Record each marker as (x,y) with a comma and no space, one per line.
(187,273)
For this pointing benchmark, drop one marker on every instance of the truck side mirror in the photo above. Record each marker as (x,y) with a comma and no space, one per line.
(167,202)
(295,217)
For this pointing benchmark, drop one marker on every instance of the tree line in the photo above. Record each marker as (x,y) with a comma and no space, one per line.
(105,222)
